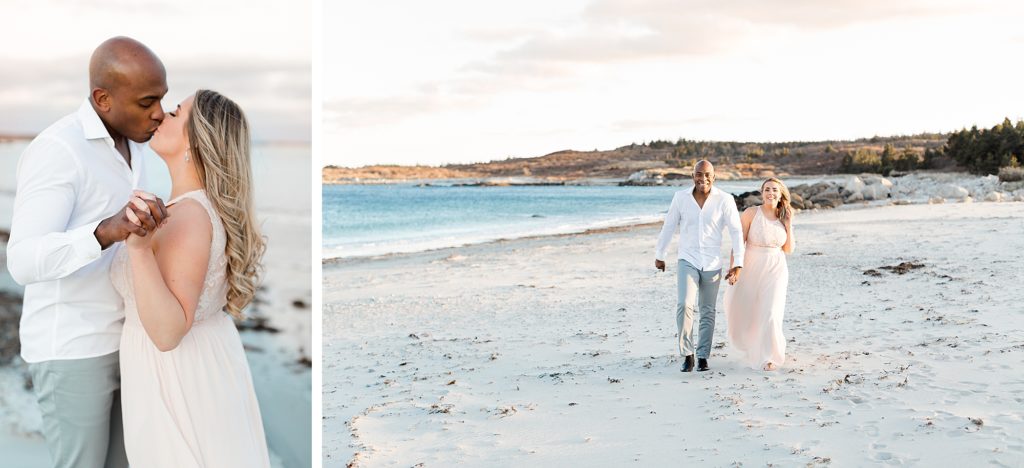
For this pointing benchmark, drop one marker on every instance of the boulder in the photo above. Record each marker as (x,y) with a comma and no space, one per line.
(853,184)
(827,196)
(820,187)
(827,200)
(797,201)
(953,192)
(994,197)
(876,192)
(748,199)
(936,201)
(800,190)
(872,179)
(827,203)
(637,176)
(854,197)
(643,178)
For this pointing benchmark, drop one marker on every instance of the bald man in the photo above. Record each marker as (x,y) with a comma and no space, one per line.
(701,214)
(75,181)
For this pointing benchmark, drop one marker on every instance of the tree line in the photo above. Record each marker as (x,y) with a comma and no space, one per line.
(980,151)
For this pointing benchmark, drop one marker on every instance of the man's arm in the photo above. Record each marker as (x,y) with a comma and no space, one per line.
(732,219)
(41,247)
(668,230)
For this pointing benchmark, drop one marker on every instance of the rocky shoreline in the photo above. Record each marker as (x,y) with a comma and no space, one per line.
(903,190)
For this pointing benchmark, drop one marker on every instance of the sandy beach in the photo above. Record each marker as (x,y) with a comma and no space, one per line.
(561,351)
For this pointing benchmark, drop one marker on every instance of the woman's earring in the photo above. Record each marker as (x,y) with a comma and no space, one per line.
(187,153)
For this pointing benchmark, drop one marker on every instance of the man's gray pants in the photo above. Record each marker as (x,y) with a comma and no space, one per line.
(81,404)
(697,290)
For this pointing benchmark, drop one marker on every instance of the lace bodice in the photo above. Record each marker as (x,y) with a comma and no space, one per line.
(214,296)
(766,233)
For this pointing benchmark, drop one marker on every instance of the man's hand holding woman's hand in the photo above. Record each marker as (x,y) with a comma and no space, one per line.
(148,211)
(138,220)
(659,264)
(734,275)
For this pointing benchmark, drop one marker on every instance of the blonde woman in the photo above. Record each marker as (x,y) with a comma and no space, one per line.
(754,307)
(187,393)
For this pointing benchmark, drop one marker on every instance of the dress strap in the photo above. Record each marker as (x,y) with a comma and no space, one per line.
(199,196)
(193,194)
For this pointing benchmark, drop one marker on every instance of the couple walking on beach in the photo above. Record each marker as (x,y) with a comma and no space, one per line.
(761,238)
(126,323)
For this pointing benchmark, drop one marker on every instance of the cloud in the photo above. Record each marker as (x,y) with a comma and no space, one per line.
(276,95)
(356,112)
(610,33)
(471,89)
(614,31)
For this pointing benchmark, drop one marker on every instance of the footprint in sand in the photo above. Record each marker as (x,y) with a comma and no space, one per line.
(889,458)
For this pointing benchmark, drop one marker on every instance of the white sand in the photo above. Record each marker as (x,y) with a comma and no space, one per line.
(561,351)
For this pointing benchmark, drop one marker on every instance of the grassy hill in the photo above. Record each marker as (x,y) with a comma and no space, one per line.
(739,159)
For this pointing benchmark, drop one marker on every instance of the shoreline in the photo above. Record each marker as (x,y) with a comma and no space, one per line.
(808,195)
(505,181)
(335,261)
(440,250)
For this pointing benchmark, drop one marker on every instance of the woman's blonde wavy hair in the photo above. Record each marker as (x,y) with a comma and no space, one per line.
(784,210)
(218,135)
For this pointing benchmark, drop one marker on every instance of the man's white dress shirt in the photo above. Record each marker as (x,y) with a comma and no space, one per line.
(69,179)
(700,229)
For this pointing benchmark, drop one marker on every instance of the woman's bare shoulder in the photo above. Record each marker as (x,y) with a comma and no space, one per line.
(187,225)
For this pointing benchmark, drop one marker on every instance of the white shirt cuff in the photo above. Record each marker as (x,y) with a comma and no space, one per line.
(84,242)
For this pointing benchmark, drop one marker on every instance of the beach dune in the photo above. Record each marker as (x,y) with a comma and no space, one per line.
(561,351)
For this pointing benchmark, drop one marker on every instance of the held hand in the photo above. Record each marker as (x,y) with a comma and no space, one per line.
(143,212)
(140,216)
(659,265)
(154,205)
(734,275)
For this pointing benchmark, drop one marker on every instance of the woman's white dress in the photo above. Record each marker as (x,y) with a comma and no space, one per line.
(193,406)
(754,306)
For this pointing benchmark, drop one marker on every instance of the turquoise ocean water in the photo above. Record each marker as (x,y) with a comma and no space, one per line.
(368,220)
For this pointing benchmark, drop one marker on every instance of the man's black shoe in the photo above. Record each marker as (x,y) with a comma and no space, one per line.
(702,364)
(688,364)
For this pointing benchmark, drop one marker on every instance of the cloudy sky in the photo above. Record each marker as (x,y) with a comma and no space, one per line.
(257,52)
(459,80)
